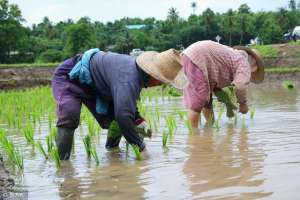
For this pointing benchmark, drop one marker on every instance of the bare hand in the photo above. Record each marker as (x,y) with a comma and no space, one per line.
(243,108)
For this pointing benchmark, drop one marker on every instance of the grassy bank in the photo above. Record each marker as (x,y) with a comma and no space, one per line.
(267,51)
(28,65)
(282,70)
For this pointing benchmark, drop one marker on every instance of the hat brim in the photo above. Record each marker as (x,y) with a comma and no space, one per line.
(259,75)
(147,62)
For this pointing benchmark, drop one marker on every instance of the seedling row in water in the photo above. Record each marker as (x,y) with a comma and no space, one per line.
(25,113)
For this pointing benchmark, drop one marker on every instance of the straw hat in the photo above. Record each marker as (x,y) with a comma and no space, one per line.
(259,74)
(164,66)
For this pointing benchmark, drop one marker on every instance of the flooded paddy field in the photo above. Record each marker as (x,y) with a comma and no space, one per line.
(242,158)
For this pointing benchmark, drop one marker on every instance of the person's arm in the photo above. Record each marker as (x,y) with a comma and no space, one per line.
(241,82)
(124,98)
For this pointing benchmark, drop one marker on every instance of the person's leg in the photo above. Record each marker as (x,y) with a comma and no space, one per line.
(196,94)
(208,111)
(68,116)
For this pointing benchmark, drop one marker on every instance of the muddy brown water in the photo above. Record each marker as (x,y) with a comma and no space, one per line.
(258,159)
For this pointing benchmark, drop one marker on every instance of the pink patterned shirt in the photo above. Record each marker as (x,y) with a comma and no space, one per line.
(222,66)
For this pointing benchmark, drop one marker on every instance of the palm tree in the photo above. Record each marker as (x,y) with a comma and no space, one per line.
(173,15)
(194,6)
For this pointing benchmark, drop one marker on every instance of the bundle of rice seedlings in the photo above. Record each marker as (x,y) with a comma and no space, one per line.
(226,96)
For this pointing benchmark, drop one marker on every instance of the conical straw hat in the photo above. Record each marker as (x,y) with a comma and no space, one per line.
(164,66)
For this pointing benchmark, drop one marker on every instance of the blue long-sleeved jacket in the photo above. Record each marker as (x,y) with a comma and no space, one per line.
(118,79)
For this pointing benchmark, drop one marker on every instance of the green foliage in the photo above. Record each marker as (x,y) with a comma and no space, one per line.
(267,51)
(26,65)
(49,42)
(80,37)
(282,70)
(50,56)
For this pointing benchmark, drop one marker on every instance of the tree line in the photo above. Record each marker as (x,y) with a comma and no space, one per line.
(53,42)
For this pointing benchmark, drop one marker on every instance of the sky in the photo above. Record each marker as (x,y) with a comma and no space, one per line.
(33,11)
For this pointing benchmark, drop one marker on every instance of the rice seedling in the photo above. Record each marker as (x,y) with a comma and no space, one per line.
(235,119)
(136,151)
(165,138)
(87,145)
(289,85)
(91,126)
(40,147)
(171,124)
(188,125)
(55,157)
(182,114)
(243,122)
(11,151)
(226,96)
(49,141)
(95,155)
(252,112)
(28,133)
(216,123)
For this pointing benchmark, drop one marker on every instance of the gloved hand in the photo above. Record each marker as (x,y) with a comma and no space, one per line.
(142,128)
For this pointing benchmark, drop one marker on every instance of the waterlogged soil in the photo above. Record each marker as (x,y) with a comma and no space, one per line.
(255,158)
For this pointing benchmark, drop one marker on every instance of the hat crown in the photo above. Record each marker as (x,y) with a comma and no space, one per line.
(164,66)
(168,63)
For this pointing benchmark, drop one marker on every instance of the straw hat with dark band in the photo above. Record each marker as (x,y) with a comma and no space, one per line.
(259,74)
(164,66)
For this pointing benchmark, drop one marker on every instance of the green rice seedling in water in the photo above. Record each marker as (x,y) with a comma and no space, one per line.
(288,85)
(243,122)
(226,96)
(252,112)
(181,114)
(91,126)
(136,151)
(40,147)
(50,144)
(55,157)
(28,133)
(188,125)
(165,138)
(216,123)
(87,145)
(95,155)
(171,124)
(13,154)
(235,119)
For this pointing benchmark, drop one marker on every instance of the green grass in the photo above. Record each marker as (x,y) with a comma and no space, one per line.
(26,65)
(282,70)
(267,51)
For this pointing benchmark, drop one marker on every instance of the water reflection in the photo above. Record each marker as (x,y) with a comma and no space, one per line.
(117,178)
(224,165)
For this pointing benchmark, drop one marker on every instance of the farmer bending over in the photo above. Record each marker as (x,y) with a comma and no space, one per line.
(209,67)
(109,84)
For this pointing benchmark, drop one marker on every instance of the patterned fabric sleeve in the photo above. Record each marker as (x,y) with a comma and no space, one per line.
(241,80)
